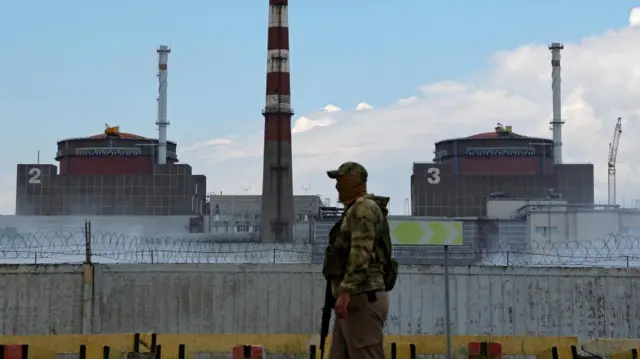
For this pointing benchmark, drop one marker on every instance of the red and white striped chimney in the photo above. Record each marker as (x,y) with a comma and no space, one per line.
(277,183)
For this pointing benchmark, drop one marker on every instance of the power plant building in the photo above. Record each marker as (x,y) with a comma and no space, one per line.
(468,171)
(114,174)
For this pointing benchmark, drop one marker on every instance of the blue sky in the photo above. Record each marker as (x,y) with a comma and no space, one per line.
(71,66)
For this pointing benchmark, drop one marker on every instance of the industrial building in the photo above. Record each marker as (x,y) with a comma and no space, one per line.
(240,217)
(559,221)
(516,227)
(116,174)
(467,171)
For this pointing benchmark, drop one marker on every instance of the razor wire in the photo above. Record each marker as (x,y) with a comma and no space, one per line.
(613,250)
(109,247)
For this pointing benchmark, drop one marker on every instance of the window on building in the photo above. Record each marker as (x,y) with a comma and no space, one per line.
(242,229)
(247,217)
(221,229)
(546,230)
(629,230)
(257,216)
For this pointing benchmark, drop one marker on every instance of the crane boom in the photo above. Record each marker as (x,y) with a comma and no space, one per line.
(611,163)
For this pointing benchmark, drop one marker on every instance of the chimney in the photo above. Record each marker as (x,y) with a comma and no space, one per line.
(556,122)
(277,181)
(163,57)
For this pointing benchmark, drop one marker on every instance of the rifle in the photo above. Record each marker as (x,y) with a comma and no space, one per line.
(329,303)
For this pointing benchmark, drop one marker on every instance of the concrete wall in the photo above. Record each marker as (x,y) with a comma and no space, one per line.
(40,299)
(217,298)
(145,226)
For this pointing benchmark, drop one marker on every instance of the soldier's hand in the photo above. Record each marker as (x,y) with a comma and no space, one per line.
(341,305)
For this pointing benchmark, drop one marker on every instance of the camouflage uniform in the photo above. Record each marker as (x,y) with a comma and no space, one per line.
(359,335)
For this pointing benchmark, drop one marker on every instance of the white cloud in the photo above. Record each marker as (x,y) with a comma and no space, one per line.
(332,108)
(213,143)
(304,124)
(407,100)
(634,17)
(443,87)
(601,81)
(363,106)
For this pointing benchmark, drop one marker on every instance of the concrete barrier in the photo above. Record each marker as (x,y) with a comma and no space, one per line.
(42,346)
(484,350)
(561,352)
(14,351)
(403,351)
(627,354)
(242,351)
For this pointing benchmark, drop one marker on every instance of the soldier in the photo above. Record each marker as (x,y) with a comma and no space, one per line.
(359,268)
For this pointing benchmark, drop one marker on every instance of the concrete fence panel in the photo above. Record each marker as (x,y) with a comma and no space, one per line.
(287,298)
(40,299)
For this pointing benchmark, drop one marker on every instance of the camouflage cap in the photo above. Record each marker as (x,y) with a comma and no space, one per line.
(347,168)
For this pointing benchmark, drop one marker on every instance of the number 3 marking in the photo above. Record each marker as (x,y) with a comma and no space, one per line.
(434,177)
(35,176)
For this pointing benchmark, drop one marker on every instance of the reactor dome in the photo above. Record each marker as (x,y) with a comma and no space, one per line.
(497,152)
(111,152)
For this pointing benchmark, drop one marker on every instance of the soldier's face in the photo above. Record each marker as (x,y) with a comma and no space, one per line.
(348,187)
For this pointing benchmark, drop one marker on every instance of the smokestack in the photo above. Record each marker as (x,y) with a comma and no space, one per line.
(163,58)
(277,181)
(556,122)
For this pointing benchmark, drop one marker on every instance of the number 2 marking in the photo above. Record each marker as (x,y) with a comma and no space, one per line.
(34,174)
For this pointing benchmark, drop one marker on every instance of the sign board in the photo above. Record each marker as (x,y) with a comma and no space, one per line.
(112,151)
(502,151)
(425,232)
(108,151)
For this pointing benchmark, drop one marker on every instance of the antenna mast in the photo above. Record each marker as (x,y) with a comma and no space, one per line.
(556,122)
(611,163)
(162,122)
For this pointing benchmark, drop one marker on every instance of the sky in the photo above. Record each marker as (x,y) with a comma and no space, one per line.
(400,75)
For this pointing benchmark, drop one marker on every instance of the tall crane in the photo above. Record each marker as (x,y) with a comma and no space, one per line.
(611,164)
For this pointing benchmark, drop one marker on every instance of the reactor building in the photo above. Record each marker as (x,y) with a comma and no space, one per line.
(465,172)
(115,173)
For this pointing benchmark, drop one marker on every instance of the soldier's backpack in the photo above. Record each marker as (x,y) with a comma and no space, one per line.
(384,252)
